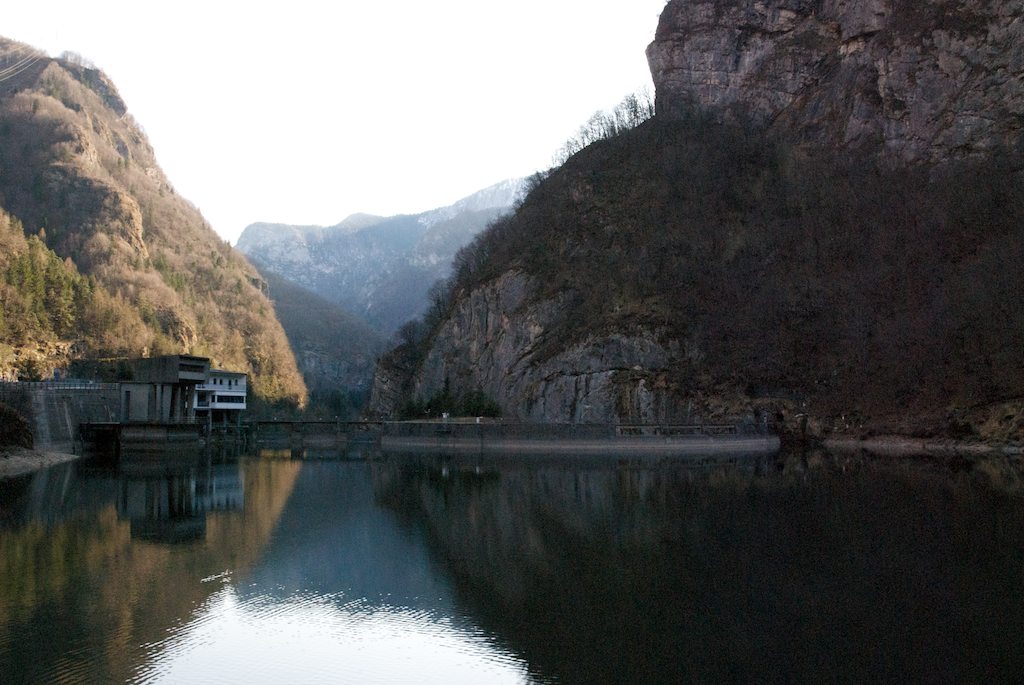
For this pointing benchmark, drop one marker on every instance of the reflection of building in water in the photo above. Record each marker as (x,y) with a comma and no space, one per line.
(173,507)
(225,491)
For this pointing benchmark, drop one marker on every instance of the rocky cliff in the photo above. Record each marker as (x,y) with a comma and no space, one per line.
(776,243)
(494,341)
(922,80)
(341,291)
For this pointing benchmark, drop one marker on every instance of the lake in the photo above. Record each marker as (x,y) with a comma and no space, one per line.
(804,567)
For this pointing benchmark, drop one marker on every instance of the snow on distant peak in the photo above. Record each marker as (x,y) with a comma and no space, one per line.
(499,195)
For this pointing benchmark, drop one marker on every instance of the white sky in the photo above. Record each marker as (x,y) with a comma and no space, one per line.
(307,111)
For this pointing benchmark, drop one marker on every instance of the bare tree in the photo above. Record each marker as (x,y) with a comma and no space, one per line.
(634,110)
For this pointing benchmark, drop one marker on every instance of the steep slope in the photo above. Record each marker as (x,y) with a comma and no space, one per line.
(920,80)
(45,304)
(336,352)
(715,263)
(77,171)
(380,269)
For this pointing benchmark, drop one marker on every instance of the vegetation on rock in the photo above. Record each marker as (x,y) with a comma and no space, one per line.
(441,403)
(120,264)
(14,429)
(878,295)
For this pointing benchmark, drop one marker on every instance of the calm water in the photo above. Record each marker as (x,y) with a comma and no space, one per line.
(801,568)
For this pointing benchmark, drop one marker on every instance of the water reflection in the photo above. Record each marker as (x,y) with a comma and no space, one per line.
(80,596)
(279,571)
(171,506)
(430,569)
(808,568)
(315,639)
(342,593)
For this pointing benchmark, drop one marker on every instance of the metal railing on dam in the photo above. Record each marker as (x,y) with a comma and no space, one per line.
(506,437)
(554,431)
(18,386)
(497,429)
(569,438)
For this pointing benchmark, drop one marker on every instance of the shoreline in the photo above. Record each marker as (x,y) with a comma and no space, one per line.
(902,446)
(21,461)
(689,446)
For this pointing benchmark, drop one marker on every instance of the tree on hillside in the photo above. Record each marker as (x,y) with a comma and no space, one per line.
(634,110)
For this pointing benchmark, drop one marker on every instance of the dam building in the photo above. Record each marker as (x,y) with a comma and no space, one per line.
(182,389)
(163,389)
(220,400)
(179,392)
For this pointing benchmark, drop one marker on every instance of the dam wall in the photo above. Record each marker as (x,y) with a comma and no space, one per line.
(55,409)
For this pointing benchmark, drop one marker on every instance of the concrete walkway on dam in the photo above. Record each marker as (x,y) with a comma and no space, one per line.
(571,439)
(755,445)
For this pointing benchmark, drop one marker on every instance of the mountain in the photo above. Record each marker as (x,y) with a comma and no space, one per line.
(336,352)
(104,258)
(821,226)
(380,269)
(341,291)
(921,81)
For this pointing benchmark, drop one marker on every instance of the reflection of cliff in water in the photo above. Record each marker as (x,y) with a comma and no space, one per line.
(93,602)
(846,569)
(333,541)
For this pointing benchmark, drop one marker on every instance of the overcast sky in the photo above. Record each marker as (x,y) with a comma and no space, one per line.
(304,112)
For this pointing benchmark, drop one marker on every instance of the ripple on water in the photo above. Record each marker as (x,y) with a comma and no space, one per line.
(324,639)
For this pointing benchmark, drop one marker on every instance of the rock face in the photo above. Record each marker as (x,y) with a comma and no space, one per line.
(703,267)
(921,80)
(495,341)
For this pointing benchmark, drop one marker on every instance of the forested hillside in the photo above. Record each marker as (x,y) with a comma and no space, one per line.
(710,264)
(104,258)
(43,300)
(336,352)
(834,282)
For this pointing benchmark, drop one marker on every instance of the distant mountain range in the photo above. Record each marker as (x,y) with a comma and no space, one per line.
(341,291)
(377,268)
